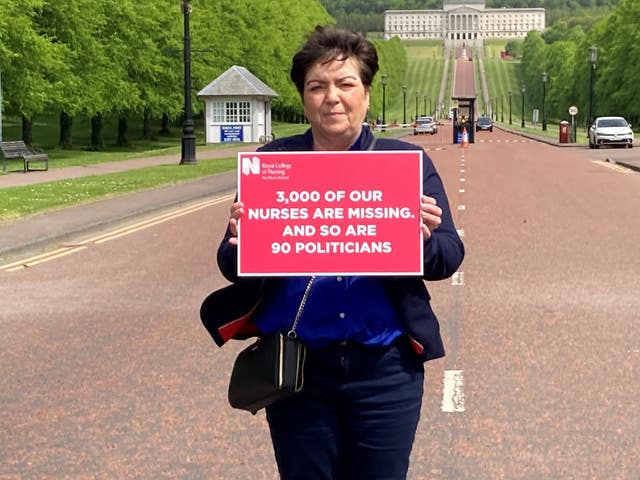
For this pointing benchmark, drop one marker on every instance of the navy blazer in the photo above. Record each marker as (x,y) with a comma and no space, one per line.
(226,313)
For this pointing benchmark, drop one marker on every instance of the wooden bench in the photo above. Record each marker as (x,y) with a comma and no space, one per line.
(18,150)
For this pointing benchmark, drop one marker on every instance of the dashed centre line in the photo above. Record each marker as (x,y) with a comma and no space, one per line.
(453,400)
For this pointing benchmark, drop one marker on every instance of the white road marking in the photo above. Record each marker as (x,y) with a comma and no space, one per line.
(461,190)
(461,207)
(453,392)
(613,166)
(460,232)
(457,278)
(45,257)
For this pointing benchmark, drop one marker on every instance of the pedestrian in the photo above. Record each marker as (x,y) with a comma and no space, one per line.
(367,337)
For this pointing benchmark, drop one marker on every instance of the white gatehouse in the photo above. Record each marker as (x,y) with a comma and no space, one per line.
(237,108)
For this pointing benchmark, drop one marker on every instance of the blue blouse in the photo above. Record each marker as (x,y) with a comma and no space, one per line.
(337,309)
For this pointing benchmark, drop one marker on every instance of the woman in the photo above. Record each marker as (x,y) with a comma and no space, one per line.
(367,337)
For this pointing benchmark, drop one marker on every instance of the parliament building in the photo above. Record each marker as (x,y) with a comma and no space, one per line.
(463,21)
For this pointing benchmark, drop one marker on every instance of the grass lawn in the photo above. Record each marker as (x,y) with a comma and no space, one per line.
(16,202)
(424,72)
(552,131)
(492,47)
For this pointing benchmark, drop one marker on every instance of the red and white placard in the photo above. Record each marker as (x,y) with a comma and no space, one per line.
(330,213)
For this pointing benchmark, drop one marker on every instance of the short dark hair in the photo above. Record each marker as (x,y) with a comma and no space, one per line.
(326,44)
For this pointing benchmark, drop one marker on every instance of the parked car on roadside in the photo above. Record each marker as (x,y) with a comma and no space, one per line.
(610,131)
(484,123)
(425,125)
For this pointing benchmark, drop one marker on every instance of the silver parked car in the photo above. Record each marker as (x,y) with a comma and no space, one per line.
(425,125)
(610,131)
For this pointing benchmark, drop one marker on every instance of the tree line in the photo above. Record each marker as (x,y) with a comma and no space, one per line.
(124,58)
(565,56)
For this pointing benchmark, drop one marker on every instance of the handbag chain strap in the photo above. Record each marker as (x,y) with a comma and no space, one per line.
(292,333)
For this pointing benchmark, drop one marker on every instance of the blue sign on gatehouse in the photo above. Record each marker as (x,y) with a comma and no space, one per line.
(231,133)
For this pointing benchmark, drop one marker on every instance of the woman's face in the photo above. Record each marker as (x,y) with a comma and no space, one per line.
(335,102)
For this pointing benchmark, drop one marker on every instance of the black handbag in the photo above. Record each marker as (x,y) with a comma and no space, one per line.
(270,369)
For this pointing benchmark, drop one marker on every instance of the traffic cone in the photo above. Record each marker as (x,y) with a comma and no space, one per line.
(465,138)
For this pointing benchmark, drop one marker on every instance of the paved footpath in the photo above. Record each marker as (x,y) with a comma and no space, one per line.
(19,179)
(28,235)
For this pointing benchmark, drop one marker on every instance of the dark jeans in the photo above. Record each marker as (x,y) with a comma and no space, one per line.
(355,418)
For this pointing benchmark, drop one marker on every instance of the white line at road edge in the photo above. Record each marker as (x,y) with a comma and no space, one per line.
(117,233)
(453,392)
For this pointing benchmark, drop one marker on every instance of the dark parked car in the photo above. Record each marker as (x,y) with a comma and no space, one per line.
(484,123)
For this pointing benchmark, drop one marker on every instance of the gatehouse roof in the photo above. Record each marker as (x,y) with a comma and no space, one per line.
(237,81)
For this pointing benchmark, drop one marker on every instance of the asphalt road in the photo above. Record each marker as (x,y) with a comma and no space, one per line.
(108,374)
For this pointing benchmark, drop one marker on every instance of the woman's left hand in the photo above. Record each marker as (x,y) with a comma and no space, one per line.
(431,215)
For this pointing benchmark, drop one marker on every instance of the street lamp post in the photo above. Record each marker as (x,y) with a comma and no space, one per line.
(425,105)
(417,97)
(593,58)
(188,134)
(383,81)
(545,79)
(404,104)
(510,119)
(502,109)
(0,104)
(523,90)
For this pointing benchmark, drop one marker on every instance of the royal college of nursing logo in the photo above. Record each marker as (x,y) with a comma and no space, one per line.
(250,166)
(268,168)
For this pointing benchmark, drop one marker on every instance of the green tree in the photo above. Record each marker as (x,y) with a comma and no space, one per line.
(392,60)
(33,66)
(261,36)
(561,91)
(69,23)
(618,40)
(163,74)
(534,62)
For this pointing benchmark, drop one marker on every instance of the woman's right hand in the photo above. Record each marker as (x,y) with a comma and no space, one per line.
(237,210)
